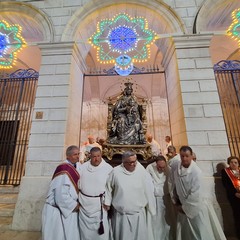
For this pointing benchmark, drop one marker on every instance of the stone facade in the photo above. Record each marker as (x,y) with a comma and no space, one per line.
(190,103)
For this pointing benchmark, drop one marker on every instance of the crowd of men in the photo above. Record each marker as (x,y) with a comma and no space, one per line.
(165,201)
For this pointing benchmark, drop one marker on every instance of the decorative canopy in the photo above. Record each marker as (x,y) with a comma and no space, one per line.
(234,28)
(123,40)
(11,42)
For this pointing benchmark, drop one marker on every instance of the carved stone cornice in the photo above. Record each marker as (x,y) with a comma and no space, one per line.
(64,48)
(192,41)
(60,48)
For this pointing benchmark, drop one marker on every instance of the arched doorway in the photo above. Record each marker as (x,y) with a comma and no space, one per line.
(97,89)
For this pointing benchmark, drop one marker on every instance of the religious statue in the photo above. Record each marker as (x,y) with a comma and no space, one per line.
(126,127)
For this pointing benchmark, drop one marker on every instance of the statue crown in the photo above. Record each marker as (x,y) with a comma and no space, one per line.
(128,84)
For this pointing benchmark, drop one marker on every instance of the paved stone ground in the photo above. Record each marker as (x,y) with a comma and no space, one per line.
(24,235)
(19,235)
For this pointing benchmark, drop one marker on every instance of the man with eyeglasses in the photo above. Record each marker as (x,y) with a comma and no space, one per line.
(130,191)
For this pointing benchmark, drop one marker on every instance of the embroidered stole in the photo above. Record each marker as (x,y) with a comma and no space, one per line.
(235,181)
(66,168)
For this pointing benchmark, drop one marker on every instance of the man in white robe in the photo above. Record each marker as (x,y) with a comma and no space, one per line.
(155,147)
(92,143)
(93,219)
(168,143)
(60,212)
(130,191)
(163,220)
(173,156)
(196,220)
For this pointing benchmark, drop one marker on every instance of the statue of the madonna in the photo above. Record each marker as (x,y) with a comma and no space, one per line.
(126,125)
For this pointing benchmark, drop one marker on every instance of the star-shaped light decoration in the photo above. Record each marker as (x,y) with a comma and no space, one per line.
(123,40)
(11,42)
(234,29)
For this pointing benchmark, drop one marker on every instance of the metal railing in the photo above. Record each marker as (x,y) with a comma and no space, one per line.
(17,96)
(227,74)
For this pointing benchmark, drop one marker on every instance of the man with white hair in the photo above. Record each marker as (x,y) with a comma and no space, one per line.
(155,147)
(60,212)
(92,143)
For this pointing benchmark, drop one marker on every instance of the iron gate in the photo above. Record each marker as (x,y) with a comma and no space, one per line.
(17,95)
(227,74)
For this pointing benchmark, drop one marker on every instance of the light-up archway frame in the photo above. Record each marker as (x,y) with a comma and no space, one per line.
(161,19)
(234,29)
(11,42)
(123,40)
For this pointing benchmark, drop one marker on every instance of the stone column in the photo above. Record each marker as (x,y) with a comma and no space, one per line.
(204,126)
(203,117)
(55,125)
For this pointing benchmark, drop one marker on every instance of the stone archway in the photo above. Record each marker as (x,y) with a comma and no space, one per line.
(36,28)
(161,18)
(215,19)
(35,23)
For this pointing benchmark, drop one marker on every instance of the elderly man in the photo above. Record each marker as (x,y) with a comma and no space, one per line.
(60,212)
(92,143)
(85,149)
(196,218)
(155,147)
(130,191)
(93,219)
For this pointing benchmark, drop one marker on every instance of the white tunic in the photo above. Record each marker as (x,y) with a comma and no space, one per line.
(64,225)
(92,183)
(199,221)
(161,222)
(174,161)
(155,147)
(89,146)
(131,194)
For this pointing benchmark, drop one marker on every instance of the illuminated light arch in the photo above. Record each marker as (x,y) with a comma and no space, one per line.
(123,40)
(234,29)
(11,43)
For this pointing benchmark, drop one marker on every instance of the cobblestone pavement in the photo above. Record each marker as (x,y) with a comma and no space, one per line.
(24,235)
(19,235)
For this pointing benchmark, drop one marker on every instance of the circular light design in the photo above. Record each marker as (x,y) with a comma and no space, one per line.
(11,42)
(4,41)
(122,39)
(120,35)
(234,29)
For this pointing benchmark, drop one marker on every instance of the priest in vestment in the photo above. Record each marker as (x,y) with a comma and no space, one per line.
(196,218)
(129,190)
(93,221)
(60,211)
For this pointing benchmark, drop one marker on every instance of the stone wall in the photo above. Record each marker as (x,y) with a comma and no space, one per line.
(193,102)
